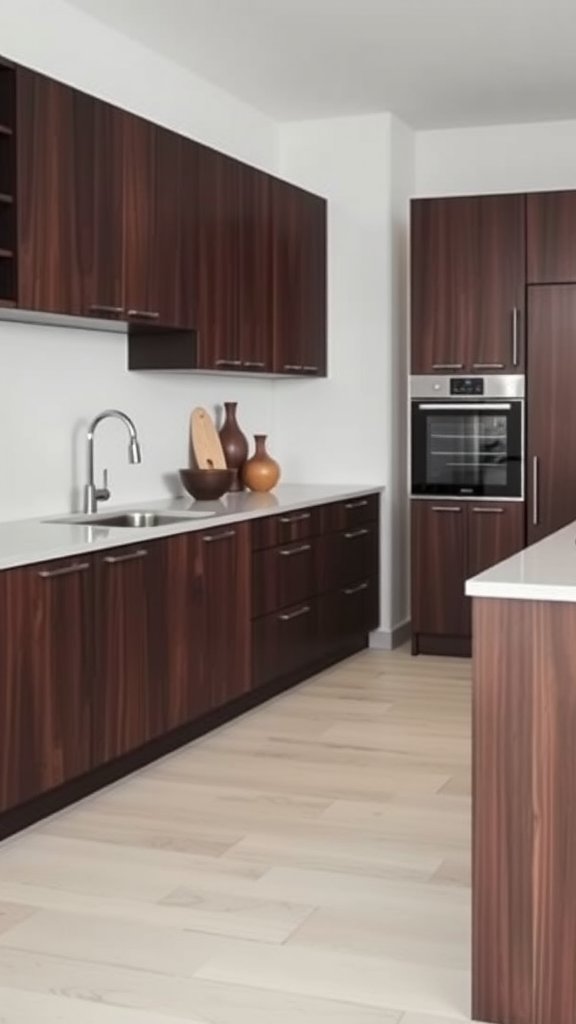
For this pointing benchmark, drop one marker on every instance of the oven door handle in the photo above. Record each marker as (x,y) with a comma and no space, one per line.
(465,407)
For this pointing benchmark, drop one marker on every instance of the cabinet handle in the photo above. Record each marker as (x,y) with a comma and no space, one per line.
(515,319)
(349,591)
(144,314)
(356,504)
(535,489)
(295,519)
(489,511)
(288,552)
(311,369)
(254,366)
(356,533)
(487,366)
(117,559)
(111,310)
(447,366)
(68,570)
(446,508)
(292,367)
(208,539)
(288,616)
(228,362)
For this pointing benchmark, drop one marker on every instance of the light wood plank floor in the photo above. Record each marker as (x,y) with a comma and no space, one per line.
(306,864)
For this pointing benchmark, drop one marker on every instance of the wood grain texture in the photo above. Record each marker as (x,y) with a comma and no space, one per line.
(129,677)
(286,529)
(551,237)
(347,515)
(496,531)
(468,273)
(349,555)
(524,786)
(225,624)
(438,568)
(285,641)
(299,280)
(285,575)
(552,410)
(46,671)
(70,200)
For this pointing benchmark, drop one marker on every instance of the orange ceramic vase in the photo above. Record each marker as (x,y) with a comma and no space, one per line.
(261,472)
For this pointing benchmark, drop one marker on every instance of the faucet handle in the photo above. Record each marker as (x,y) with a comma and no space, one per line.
(103,493)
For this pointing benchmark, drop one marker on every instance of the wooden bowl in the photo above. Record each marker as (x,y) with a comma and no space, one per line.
(207,484)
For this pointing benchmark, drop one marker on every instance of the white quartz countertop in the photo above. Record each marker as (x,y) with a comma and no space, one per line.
(27,541)
(543,572)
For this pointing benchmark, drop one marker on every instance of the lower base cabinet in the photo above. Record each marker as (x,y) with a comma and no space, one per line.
(106,655)
(452,541)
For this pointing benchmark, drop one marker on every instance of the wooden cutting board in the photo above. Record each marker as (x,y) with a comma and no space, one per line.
(206,444)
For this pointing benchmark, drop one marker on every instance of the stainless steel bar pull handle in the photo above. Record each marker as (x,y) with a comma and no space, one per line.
(295,519)
(515,320)
(67,570)
(535,491)
(118,559)
(209,539)
(446,508)
(353,534)
(349,591)
(447,366)
(144,314)
(487,366)
(289,552)
(288,616)
(489,511)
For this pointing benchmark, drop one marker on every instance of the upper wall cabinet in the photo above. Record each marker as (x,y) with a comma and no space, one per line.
(8,296)
(100,209)
(551,233)
(467,289)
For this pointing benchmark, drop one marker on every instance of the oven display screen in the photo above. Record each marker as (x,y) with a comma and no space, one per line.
(467,386)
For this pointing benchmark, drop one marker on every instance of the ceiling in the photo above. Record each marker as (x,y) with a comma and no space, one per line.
(434,63)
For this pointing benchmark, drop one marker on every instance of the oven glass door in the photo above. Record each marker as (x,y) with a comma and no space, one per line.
(467,448)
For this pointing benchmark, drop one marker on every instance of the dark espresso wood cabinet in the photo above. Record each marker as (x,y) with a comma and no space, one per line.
(8,234)
(46,656)
(551,475)
(551,238)
(299,268)
(452,541)
(468,284)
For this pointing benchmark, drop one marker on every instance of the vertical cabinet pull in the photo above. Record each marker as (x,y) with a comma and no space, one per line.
(67,570)
(515,319)
(535,491)
(132,557)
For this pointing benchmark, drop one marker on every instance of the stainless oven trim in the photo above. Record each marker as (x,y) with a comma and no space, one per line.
(496,385)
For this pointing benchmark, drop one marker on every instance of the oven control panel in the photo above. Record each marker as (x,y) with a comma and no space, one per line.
(467,386)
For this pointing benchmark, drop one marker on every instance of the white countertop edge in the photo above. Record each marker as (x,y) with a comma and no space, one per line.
(522,591)
(43,539)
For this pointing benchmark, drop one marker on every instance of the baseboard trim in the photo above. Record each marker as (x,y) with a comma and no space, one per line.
(389,640)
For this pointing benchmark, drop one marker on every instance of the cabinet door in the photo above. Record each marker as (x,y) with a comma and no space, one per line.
(349,556)
(495,532)
(439,604)
(551,237)
(218,264)
(285,642)
(255,348)
(551,409)
(128,696)
(467,288)
(69,200)
(178,626)
(157,186)
(45,677)
(349,611)
(225,622)
(299,280)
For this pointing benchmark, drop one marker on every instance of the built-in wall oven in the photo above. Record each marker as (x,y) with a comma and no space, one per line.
(467,437)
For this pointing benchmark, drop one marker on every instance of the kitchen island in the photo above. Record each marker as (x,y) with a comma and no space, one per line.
(524,786)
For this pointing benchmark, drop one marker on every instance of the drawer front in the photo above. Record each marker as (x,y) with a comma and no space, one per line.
(283,576)
(285,529)
(285,642)
(350,611)
(345,515)
(350,556)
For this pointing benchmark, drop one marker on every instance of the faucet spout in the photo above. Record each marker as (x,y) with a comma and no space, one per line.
(93,494)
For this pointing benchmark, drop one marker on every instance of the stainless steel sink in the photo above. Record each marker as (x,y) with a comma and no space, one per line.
(132,520)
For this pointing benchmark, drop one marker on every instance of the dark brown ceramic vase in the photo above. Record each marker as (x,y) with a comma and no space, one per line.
(234,443)
(261,472)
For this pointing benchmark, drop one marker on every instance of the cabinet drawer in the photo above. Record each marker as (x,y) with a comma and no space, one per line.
(349,556)
(344,515)
(285,642)
(283,576)
(350,611)
(285,529)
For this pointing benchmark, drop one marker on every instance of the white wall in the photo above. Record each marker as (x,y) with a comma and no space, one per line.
(53,380)
(505,158)
(351,427)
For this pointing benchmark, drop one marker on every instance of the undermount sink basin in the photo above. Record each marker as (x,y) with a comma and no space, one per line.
(132,520)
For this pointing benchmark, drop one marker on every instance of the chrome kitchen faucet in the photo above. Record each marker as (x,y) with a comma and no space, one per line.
(93,494)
